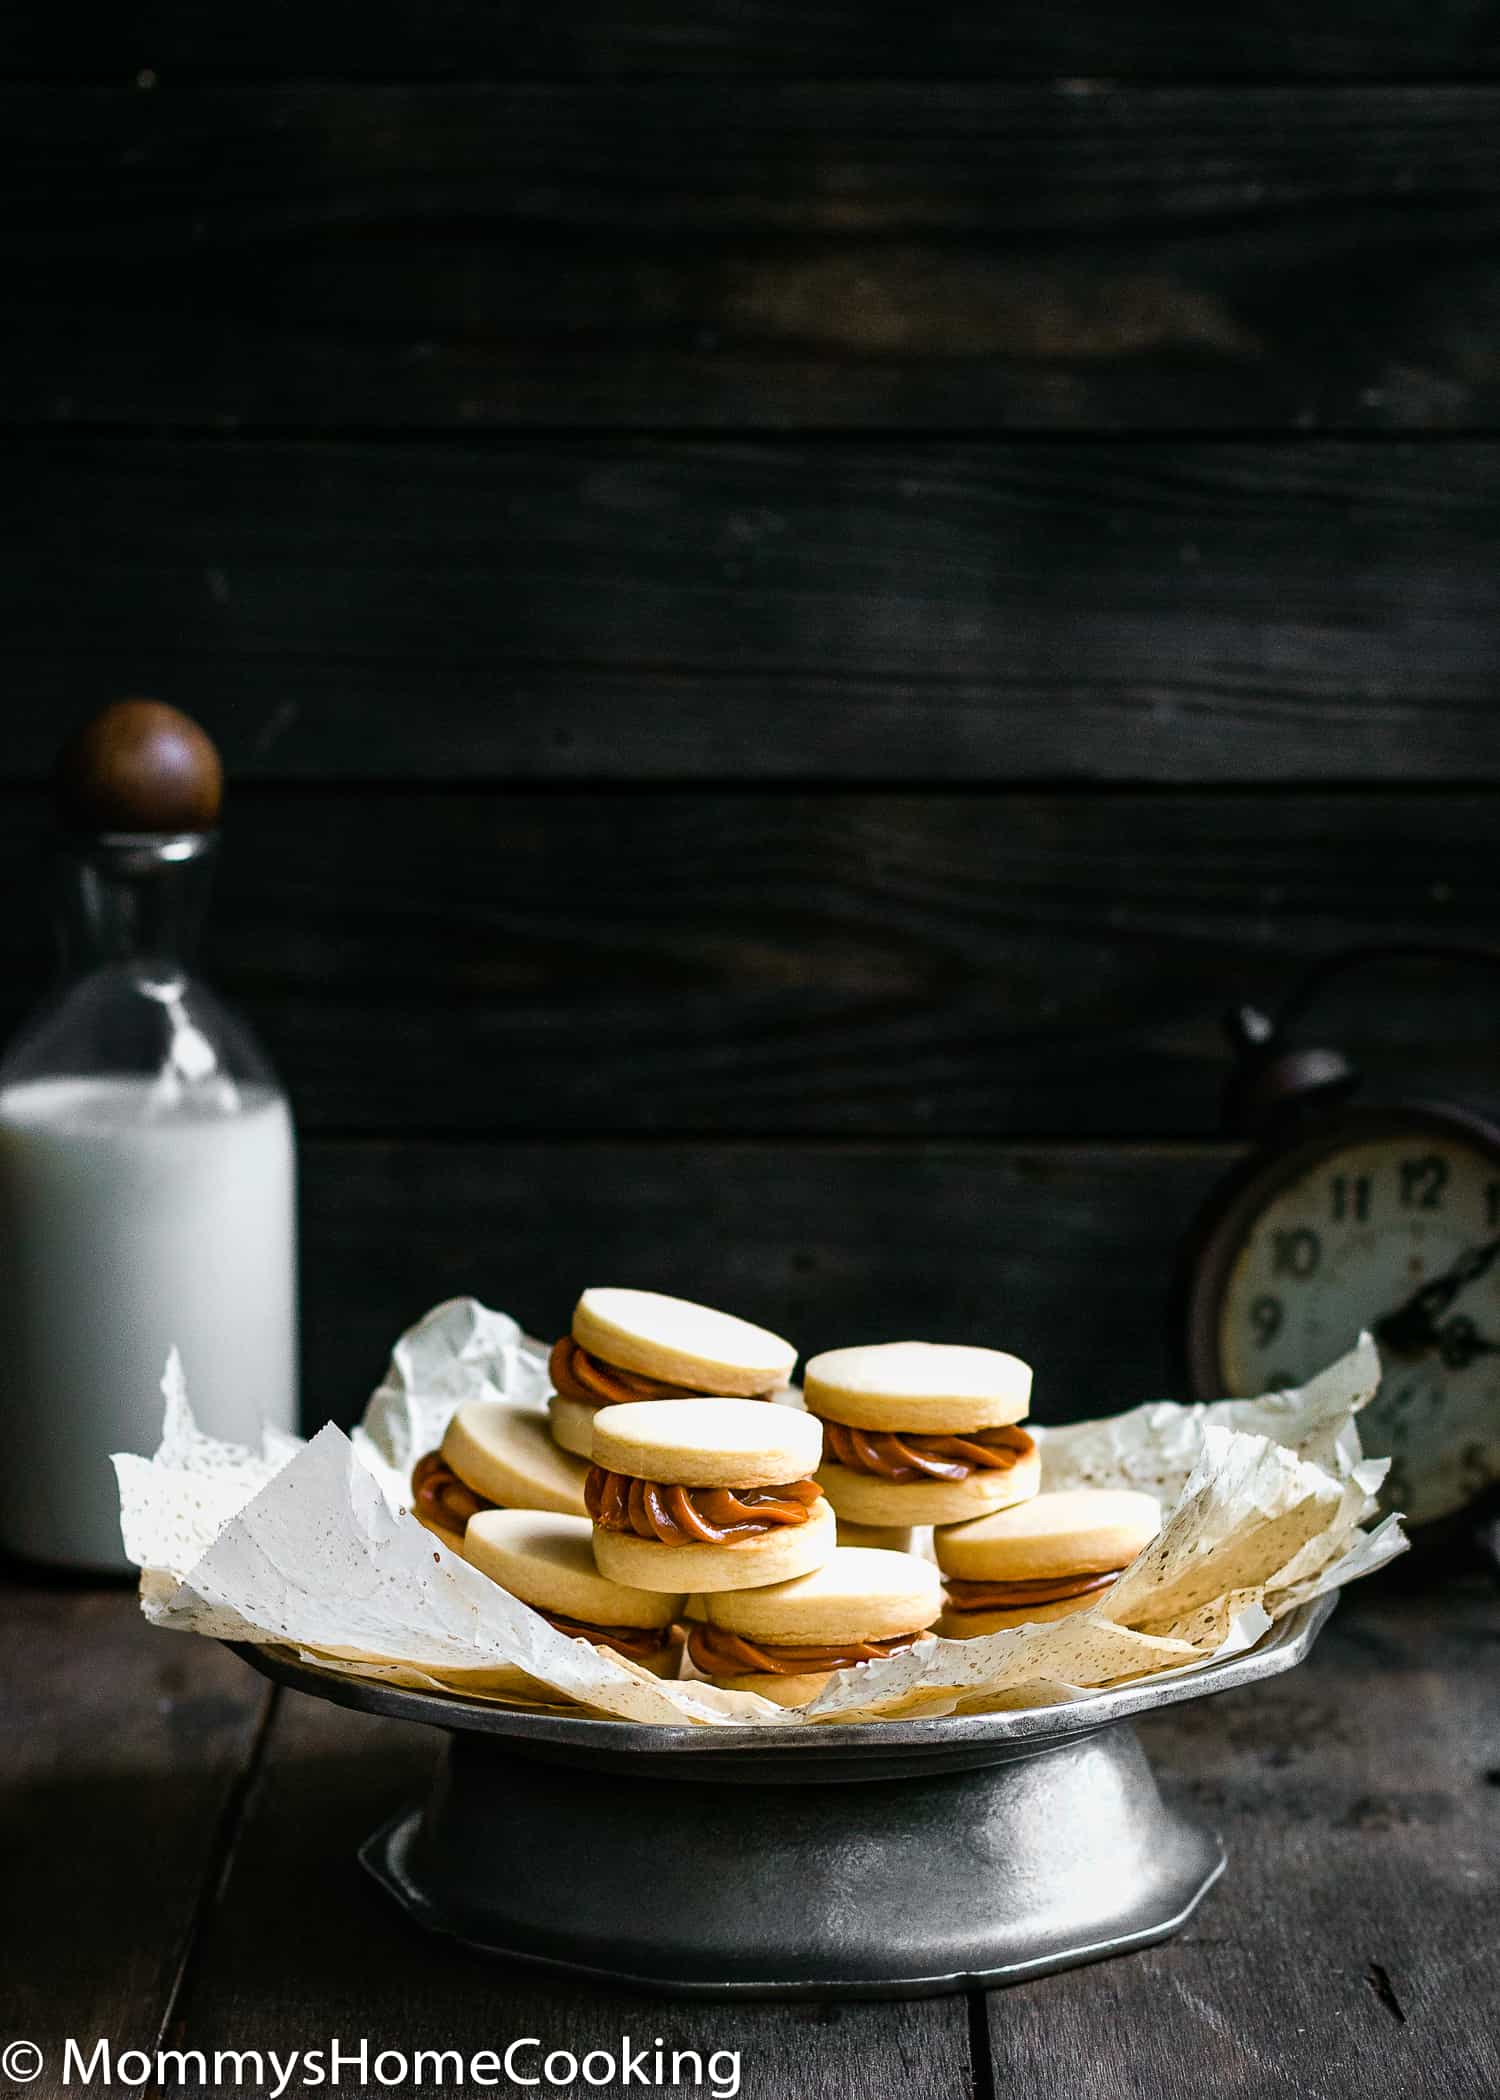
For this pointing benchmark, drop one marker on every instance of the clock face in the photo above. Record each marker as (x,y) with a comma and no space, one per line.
(1345,1233)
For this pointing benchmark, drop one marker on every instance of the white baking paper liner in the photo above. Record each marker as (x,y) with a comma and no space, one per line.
(311,1547)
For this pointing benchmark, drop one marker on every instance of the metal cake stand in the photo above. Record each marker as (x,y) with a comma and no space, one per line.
(889,1859)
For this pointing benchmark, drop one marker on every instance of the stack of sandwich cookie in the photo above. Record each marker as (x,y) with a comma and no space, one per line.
(786,1641)
(706,1495)
(640,1345)
(922,1432)
(548,1562)
(494,1455)
(1045,1559)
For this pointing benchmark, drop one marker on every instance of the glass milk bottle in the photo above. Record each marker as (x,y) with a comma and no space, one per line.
(147,1165)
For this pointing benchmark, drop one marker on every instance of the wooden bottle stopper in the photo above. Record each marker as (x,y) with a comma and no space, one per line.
(140,766)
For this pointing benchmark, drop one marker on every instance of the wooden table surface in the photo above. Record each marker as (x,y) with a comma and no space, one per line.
(179,1871)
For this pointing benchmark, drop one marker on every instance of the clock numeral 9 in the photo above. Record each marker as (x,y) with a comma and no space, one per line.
(1265,1318)
(1423,1182)
(1296,1252)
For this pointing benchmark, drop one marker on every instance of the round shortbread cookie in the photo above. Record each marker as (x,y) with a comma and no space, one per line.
(685,1344)
(888,1538)
(965,1625)
(782,1691)
(1072,1531)
(863,1498)
(667,1661)
(741,1564)
(707,1443)
(504,1453)
(548,1562)
(922,1387)
(860,1593)
(572,1425)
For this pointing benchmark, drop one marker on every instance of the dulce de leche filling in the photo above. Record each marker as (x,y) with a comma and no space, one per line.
(903,1455)
(593,1383)
(1012,1596)
(441,1496)
(638,1643)
(721,1654)
(689,1516)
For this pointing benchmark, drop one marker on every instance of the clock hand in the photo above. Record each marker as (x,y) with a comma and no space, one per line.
(1411,1329)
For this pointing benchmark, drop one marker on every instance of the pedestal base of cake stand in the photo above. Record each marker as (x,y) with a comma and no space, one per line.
(819,1874)
(886,1859)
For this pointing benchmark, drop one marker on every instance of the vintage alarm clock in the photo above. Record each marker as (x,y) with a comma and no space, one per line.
(1352,1213)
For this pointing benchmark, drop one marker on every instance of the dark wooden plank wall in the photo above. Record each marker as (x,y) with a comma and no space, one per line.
(752,254)
(796,598)
(855,39)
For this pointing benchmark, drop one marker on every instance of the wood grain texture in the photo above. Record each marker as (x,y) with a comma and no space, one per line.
(271,1970)
(1167,611)
(895,965)
(1354,1942)
(122,1750)
(666,962)
(1349,1951)
(1168,38)
(678,253)
(1062,1253)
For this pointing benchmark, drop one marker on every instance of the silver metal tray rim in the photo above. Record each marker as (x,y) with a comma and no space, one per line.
(1281,1649)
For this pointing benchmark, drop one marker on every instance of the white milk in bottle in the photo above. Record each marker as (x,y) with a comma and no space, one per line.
(147,1162)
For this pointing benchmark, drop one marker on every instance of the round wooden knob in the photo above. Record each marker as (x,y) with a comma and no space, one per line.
(140,766)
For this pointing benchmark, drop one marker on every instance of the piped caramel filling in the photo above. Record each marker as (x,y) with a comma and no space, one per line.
(1012,1596)
(441,1496)
(721,1654)
(593,1383)
(637,1643)
(689,1516)
(903,1455)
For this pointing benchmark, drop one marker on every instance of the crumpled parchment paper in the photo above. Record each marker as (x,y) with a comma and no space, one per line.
(309,1547)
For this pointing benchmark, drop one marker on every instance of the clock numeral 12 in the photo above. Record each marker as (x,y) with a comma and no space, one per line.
(1423,1182)
(1350,1195)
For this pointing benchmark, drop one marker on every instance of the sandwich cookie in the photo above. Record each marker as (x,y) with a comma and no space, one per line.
(640,1345)
(706,1495)
(548,1562)
(785,1642)
(1044,1559)
(922,1432)
(494,1455)
(887,1538)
